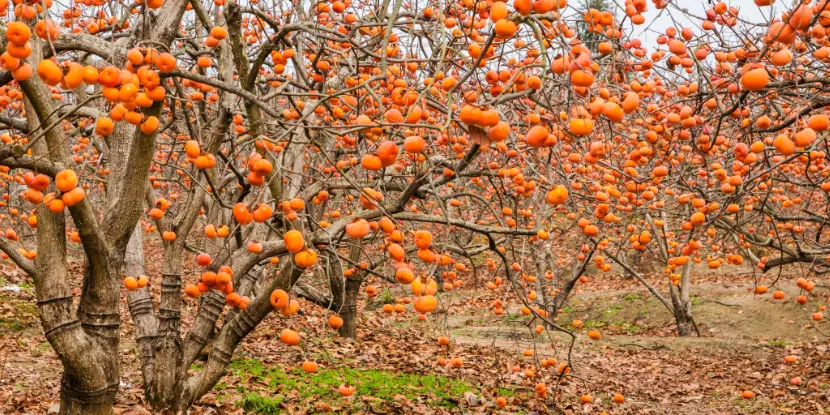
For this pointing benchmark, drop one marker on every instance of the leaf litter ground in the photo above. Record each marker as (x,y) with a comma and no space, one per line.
(394,362)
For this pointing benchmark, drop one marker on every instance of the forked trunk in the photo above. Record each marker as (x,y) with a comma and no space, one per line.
(682,304)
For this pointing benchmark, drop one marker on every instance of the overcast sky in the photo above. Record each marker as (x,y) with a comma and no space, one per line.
(658,20)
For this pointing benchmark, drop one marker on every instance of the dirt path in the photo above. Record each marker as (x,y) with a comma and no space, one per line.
(745,339)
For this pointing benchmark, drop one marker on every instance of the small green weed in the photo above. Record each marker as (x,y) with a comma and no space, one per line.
(322,385)
(632,297)
(259,404)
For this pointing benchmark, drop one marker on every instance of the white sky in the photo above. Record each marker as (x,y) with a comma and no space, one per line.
(658,22)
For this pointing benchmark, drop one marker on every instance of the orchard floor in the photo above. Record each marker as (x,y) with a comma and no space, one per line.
(394,362)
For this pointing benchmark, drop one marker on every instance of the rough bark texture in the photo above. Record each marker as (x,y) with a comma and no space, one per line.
(142,309)
(682,303)
(87,339)
(685,324)
(348,312)
(351,293)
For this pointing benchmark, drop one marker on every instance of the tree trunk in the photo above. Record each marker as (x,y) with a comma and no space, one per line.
(351,292)
(685,324)
(142,310)
(561,297)
(228,338)
(86,341)
(682,303)
(683,313)
(164,392)
(348,312)
(74,402)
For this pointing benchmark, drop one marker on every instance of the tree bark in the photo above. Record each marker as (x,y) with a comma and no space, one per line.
(348,312)
(685,324)
(75,402)
(86,343)
(142,310)
(682,303)
(351,292)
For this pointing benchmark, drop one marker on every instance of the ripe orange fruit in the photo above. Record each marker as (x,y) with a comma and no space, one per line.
(293,240)
(279,298)
(66,180)
(557,195)
(414,144)
(305,258)
(423,239)
(500,132)
(345,390)
(290,337)
(49,72)
(18,33)
(498,11)
(130,283)
(537,136)
(335,321)
(426,304)
(505,28)
(309,366)
(218,32)
(404,275)
(582,78)
(371,162)
(755,79)
(581,126)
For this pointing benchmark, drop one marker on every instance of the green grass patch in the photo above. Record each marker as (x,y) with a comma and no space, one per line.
(259,404)
(305,387)
(9,325)
(24,307)
(632,297)
(386,297)
(778,343)
(630,328)
(696,300)
(613,310)
(595,324)
(505,392)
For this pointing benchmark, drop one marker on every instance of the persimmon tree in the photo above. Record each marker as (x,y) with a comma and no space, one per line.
(321,150)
